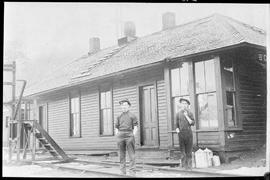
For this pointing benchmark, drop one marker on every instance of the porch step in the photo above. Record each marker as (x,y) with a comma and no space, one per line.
(152,154)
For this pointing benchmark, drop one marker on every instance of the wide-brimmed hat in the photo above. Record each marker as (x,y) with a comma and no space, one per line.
(124,100)
(183,99)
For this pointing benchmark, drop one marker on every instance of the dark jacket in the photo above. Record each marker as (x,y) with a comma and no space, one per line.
(181,121)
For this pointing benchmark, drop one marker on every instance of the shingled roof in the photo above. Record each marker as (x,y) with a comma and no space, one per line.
(210,33)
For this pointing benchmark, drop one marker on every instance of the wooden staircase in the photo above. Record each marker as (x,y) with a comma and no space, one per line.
(45,139)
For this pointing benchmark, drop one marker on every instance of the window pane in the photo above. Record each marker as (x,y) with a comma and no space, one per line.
(108,99)
(106,122)
(212,110)
(203,111)
(207,109)
(199,76)
(230,108)
(210,75)
(77,124)
(109,122)
(75,105)
(101,121)
(184,76)
(175,82)
(102,100)
(71,125)
(176,107)
(228,74)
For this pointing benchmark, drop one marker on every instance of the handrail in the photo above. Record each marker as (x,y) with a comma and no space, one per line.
(51,141)
(19,102)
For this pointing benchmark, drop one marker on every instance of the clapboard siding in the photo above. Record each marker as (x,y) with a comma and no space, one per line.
(162,116)
(125,87)
(252,106)
(58,119)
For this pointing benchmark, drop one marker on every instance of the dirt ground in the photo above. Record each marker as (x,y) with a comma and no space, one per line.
(250,163)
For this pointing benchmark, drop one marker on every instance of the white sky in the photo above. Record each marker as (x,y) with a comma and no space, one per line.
(59,32)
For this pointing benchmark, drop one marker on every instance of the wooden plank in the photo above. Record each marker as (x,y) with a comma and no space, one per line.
(51,141)
(220,99)
(169,104)
(193,99)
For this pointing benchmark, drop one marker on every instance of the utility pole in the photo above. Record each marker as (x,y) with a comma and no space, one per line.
(12,68)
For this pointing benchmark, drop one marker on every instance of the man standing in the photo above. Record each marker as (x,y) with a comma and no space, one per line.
(184,120)
(126,127)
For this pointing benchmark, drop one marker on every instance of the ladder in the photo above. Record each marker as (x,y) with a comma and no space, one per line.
(45,139)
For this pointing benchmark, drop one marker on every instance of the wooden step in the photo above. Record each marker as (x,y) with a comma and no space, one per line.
(42,139)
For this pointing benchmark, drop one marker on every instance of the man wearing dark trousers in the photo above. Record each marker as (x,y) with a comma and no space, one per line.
(125,129)
(184,121)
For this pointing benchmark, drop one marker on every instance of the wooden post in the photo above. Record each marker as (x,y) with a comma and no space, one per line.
(220,101)
(193,100)
(168,99)
(12,107)
(19,127)
(34,129)
(33,142)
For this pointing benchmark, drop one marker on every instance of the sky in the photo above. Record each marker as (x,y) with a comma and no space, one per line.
(46,35)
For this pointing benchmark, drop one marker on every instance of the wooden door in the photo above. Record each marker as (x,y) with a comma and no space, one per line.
(149,135)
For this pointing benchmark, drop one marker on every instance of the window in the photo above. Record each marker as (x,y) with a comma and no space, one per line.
(179,86)
(75,119)
(206,94)
(106,120)
(228,72)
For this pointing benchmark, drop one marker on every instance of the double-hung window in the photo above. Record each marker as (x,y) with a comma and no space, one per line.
(206,94)
(179,86)
(106,120)
(75,119)
(229,73)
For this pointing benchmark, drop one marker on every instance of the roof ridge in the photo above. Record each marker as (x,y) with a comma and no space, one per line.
(254,28)
(225,22)
(177,26)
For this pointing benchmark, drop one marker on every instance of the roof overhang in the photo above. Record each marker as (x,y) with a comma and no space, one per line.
(166,60)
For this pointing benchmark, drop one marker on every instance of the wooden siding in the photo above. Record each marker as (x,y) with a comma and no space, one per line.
(162,116)
(123,87)
(251,105)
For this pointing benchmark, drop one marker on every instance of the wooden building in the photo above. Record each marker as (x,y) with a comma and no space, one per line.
(217,62)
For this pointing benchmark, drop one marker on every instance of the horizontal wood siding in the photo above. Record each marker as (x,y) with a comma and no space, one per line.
(126,92)
(124,87)
(252,106)
(58,117)
(162,116)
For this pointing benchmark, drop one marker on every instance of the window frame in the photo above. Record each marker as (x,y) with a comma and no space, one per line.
(238,124)
(173,97)
(105,88)
(198,128)
(72,95)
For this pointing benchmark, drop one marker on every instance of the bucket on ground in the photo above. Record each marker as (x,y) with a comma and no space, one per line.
(209,156)
(201,160)
(216,160)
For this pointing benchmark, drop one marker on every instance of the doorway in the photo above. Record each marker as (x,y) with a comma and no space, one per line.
(148,116)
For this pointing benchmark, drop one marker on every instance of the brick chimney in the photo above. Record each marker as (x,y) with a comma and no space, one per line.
(129,33)
(94,45)
(168,20)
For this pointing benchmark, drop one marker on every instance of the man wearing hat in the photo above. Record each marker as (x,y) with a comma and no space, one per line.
(125,129)
(184,120)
